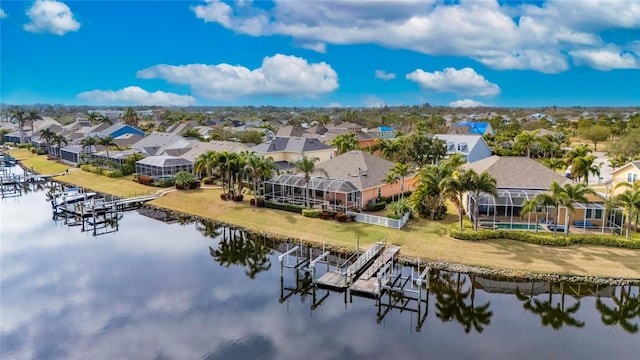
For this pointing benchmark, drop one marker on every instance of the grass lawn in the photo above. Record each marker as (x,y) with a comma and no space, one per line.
(419,239)
(39,163)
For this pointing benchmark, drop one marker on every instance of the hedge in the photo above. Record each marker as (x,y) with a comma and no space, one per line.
(543,238)
(311,213)
(377,206)
(285,207)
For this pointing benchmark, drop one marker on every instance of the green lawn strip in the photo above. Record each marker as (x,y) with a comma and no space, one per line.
(122,187)
(419,239)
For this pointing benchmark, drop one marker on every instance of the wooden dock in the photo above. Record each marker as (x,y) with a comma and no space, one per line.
(341,280)
(367,283)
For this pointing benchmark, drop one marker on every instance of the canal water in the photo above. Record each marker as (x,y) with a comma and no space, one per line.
(146,285)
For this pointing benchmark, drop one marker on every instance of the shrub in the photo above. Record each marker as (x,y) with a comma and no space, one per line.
(143,179)
(114,174)
(342,217)
(169,182)
(311,213)
(285,207)
(543,238)
(376,206)
(185,180)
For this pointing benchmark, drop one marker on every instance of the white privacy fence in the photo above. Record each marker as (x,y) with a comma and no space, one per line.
(379,220)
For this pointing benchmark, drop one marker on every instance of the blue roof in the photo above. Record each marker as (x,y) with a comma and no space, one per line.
(475,127)
(386,128)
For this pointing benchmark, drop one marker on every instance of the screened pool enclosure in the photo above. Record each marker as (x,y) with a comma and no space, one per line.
(159,167)
(506,208)
(330,194)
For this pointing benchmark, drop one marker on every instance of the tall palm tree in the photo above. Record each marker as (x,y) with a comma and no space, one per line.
(59,140)
(345,142)
(32,115)
(482,183)
(88,143)
(574,193)
(391,179)
(19,115)
(578,151)
(630,201)
(526,140)
(456,186)
(107,142)
(259,168)
(401,170)
(553,163)
(532,205)
(205,163)
(47,134)
(306,166)
(556,198)
(130,117)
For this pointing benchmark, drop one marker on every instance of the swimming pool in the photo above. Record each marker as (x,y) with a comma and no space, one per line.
(518,226)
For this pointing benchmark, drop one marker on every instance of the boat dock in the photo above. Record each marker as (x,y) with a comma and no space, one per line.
(90,207)
(367,283)
(365,266)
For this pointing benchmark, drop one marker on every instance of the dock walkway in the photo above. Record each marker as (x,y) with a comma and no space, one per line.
(367,282)
(341,280)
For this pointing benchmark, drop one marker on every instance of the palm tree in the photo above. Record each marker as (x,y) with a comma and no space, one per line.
(456,186)
(306,166)
(59,140)
(578,151)
(526,140)
(483,183)
(630,201)
(18,114)
(259,168)
(583,166)
(32,116)
(47,134)
(391,179)
(555,198)
(345,142)
(401,170)
(553,163)
(205,163)
(532,205)
(107,142)
(88,143)
(574,193)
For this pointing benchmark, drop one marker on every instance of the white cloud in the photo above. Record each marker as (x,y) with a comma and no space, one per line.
(334,105)
(50,16)
(463,81)
(465,103)
(279,75)
(381,74)
(3,15)
(373,101)
(502,36)
(605,59)
(135,95)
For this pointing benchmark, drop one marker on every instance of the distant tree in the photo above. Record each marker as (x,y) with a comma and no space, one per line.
(192,133)
(59,141)
(47,134)
(595,134)
(249,137)
(18,114)
(32,115)
(130,117)
(107,142)
(627,145)
(525,142)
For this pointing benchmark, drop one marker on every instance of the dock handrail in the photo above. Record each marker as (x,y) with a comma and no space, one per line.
(364,259)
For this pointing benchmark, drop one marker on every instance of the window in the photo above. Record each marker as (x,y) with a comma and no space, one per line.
(598,214)
(379,192)
(589,214)
(631,177)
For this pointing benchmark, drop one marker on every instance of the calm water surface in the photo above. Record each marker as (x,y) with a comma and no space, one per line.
(154,290)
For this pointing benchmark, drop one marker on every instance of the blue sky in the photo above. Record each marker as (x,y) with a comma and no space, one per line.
(321,53)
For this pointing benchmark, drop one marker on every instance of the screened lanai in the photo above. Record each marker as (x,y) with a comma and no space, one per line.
(323,193)
(164,166)
(506,209)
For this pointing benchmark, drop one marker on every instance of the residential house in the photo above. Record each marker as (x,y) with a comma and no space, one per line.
(364,139)
(628,173)
(520,179)
(471,127)
(157,142)
(347,182)
(162,166)
(472,147)
(287,150)
(383,132)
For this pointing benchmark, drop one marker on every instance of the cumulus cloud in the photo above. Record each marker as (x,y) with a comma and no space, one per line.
(3,14)
(383,75)
(450,80)
(465,103)
(502,36)
(135,95)
(50,16)
(605,59)
(279,75)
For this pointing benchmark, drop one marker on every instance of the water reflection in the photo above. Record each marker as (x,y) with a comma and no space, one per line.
(626,309)
(236,247)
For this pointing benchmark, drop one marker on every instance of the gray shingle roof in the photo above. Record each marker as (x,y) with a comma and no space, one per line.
(164,161)
(294,145)
(517,172)
(360,168)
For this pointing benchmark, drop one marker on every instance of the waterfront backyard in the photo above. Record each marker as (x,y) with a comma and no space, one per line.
(420,238)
